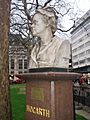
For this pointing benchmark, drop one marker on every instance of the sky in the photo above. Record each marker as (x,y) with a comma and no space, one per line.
(83,4)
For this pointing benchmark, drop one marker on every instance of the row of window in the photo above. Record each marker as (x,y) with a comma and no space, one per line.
(82,54)
(81,30)
(12,72)
(81,47)
(81,39)
(81,62)
(78,48)
(21,64)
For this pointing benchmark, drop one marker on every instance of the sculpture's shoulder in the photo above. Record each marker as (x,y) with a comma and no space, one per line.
(62,46)
(66,42)
(59,41)
(66,45)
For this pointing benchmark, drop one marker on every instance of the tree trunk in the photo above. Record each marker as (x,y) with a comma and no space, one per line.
(4,75)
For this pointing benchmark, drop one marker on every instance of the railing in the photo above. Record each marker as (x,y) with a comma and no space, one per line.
(82,95)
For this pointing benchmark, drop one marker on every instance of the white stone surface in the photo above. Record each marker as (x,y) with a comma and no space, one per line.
(53,51)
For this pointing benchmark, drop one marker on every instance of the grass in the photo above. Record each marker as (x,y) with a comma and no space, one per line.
(78,117)
(18,101)
(18,97)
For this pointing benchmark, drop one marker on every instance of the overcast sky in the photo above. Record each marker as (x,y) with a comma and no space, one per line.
(83,4)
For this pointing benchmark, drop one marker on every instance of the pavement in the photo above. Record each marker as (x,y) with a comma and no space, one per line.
(83,113)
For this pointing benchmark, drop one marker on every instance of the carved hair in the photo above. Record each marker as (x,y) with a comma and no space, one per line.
(49,16)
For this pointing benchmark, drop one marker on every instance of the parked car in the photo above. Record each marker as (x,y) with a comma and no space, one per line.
(17,81)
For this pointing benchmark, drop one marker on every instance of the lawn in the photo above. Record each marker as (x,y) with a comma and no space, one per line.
(18,101)
(78,117)
(18,97)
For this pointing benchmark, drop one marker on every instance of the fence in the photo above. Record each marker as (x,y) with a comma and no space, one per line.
(82,95)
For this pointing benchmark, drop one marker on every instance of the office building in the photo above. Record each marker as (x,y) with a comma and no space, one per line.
(80,41)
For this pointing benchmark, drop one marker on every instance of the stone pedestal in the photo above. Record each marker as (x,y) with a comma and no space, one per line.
(49,95)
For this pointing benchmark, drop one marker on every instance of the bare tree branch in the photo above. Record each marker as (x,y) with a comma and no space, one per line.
(47,3)
(66,12)
(25,8)
(68,29)
(37,4)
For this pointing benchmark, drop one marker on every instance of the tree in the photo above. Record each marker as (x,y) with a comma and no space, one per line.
(4,81)
(22,11)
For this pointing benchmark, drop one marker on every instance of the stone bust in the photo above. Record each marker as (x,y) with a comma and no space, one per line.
(52,51)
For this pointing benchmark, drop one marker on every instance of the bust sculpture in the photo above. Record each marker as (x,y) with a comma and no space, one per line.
(52,51)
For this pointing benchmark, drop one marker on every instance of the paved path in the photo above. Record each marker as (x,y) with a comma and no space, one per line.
(83,113)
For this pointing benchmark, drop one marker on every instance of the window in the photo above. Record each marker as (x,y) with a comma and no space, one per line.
(75,63)
(25,64)
(87,43)
(20,64)
(87,27)
(12,63)
(82,54)
(25,71)
(20,72)
(88,59)
(75,43)
(80,47)
(81,61)
(74,50)
(12,72)
(75,57)
(88,51)
(81,39)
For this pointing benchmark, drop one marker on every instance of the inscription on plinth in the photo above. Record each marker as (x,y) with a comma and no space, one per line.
(38,111)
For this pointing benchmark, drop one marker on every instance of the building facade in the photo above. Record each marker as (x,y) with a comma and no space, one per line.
(17,56)
(80,41)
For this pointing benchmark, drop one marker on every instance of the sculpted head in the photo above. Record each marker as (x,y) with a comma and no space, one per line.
(43,19)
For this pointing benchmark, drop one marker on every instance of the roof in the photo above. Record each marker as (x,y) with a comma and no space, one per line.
(14,39)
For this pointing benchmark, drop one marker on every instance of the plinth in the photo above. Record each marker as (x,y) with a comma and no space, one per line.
(49,95)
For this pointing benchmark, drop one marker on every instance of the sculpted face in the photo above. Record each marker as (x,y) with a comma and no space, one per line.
(38,25)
